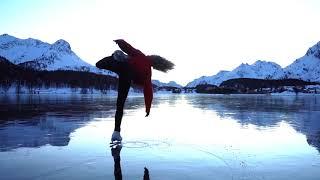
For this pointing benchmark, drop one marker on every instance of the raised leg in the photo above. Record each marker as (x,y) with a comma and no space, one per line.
(111,64)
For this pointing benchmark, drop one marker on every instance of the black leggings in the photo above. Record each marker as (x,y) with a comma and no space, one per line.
(124,72)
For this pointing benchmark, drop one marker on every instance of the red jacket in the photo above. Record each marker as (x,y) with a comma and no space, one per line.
(141,66)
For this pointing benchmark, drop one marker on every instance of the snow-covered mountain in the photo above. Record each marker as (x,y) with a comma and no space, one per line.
(305,68)
(215,79)
(44,56)
(170,84)
(259,69)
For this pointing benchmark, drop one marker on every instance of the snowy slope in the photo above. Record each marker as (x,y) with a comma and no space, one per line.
(173,84)
(260,70)
(307,67)
(21,50)
(44,56)
(215,79)
(170,84)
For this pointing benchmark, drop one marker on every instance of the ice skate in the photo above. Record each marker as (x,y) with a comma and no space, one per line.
(116,138)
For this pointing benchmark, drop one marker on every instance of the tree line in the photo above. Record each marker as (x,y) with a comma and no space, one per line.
(11,74)
(251,85)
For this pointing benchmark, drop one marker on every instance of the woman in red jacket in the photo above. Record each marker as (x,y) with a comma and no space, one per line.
(134,67)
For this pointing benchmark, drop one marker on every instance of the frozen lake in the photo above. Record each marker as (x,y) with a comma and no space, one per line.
(221,137)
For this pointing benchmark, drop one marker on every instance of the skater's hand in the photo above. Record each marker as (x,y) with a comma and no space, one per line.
(147,114)
(118,40)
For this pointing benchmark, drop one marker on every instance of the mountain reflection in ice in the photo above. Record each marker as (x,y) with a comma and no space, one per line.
(301,112)
(34,121)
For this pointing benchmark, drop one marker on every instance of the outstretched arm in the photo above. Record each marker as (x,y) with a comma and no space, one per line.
(127,48)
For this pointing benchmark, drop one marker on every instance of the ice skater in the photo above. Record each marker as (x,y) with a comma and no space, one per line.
(132,67)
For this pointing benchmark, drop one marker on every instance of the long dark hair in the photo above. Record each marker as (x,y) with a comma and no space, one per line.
(160,63)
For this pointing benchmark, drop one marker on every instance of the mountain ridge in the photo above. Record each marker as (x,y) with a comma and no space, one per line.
(39,55)
(169,84)
(306,68)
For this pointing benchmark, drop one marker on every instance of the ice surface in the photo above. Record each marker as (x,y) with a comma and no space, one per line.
(185,137)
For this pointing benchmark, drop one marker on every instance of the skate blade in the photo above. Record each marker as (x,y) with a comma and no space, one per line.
(115,144)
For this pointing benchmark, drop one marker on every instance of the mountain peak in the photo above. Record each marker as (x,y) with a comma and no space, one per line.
(62,46)
(314,50)
(262,62)
(4,38)
(243,65)
(266,63)
(5,35)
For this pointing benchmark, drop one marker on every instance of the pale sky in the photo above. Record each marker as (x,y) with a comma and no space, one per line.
(201,37)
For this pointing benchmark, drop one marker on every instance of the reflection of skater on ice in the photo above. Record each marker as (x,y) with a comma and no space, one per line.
(115,151)
(134,67)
